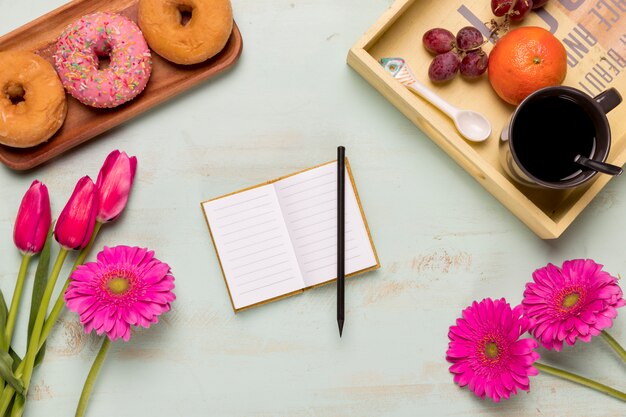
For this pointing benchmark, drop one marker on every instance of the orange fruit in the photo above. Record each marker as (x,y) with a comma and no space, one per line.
(523,61)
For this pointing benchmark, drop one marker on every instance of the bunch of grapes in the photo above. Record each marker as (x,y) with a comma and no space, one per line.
(515,10)
(461,53)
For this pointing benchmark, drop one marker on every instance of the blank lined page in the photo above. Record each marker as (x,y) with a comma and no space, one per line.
(253,245)
(309,204)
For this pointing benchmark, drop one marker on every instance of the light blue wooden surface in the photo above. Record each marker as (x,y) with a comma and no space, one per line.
(443,241)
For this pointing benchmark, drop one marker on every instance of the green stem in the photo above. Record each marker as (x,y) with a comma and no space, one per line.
(31,353)
(613,343)
(581,380)
(18,406)
(7,394)
(60,302)
(91,378)
(15,302)
(25,368)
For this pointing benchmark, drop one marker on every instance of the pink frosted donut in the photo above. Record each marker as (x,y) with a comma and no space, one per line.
(99,35)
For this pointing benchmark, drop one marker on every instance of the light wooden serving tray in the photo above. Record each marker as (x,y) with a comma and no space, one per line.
(83,122)
(594,52)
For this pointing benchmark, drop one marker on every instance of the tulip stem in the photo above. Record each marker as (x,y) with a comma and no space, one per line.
(15,301)
(7,395)
(60,302)
(91,378)
(33,346)
(589,383)
(613,343)
(18,406)
(25,368)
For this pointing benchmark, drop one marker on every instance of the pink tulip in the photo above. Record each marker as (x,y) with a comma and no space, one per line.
(33,219)
(75,225)
(114,183)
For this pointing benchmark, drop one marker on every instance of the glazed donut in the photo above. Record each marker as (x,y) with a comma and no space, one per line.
(33,105)
(191,42)
(97,35)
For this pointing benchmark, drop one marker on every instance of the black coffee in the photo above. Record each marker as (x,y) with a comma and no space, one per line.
(549,133)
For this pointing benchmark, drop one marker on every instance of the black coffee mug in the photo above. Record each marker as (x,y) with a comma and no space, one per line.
(549,129)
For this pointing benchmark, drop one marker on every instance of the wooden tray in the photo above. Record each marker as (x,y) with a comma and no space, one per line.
(596,61)
(83,122)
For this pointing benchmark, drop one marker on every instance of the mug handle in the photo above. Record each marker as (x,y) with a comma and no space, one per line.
(608,99)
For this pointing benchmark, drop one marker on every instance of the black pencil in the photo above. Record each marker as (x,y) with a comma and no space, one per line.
(341,217)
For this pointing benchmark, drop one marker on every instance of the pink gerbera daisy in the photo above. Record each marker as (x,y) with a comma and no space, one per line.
(576,301)
(126,286)
(486,351)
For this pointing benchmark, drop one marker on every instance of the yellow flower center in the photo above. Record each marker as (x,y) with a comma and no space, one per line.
(570,300)
(491,350)
(118,285)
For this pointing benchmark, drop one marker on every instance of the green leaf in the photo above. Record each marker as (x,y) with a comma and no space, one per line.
(41,279)
(16,358)
(6,372)
(39,286)
(4,313)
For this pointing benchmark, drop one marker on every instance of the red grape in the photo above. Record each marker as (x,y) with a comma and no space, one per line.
(438,41)
(474,64)
(469,38)
(500,7)
(444,67)
(539,3)
(521,9)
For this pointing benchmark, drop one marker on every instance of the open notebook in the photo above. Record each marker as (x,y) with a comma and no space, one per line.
(280,238)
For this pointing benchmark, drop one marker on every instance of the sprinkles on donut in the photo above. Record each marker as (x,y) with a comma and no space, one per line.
(80,48)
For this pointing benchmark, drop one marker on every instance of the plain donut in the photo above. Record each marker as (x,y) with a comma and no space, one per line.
(33,105)
(199,39)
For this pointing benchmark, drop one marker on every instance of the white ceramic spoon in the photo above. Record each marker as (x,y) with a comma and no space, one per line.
(472,125)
